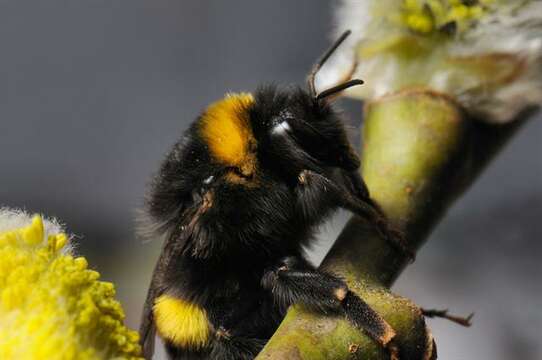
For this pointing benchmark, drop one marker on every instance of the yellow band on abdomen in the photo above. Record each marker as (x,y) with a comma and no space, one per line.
(182,323)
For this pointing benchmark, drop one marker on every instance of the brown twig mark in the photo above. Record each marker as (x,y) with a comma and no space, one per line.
(463,321)
(353,348)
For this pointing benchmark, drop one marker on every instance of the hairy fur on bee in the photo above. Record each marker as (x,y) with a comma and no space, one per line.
(237,200)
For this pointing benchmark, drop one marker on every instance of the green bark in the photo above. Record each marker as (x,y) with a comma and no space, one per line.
(420,152)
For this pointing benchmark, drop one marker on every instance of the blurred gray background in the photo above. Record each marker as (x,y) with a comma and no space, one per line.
(93,93)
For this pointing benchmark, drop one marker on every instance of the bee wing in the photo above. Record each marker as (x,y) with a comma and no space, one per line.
(147,329)
(175,244)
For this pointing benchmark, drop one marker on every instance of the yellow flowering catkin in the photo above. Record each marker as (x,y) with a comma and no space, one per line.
(426,16)
(52,306)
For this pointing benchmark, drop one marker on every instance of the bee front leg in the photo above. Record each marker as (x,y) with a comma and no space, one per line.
(295,281)
(314,186)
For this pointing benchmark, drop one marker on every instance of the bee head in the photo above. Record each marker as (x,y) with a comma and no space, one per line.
(296,131)
(285,131)
(279,131)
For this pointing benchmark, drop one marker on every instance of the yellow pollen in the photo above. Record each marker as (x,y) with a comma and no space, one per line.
(52,306)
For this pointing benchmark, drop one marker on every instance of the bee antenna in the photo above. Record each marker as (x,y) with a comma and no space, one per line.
(323,59)
(338,88)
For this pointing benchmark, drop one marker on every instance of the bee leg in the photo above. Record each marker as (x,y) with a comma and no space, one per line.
(175,353)
(295,281)
(228,346)
(223,346)
(354,201)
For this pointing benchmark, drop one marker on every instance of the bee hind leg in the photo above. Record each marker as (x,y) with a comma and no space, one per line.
(295,281)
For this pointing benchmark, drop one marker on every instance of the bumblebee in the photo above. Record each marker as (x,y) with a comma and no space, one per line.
(237,200)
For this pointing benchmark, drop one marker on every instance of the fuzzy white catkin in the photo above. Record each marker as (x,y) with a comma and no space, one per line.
(11,219)
(510,28)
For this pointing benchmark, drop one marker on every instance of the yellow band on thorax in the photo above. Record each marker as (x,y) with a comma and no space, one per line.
(225,127)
